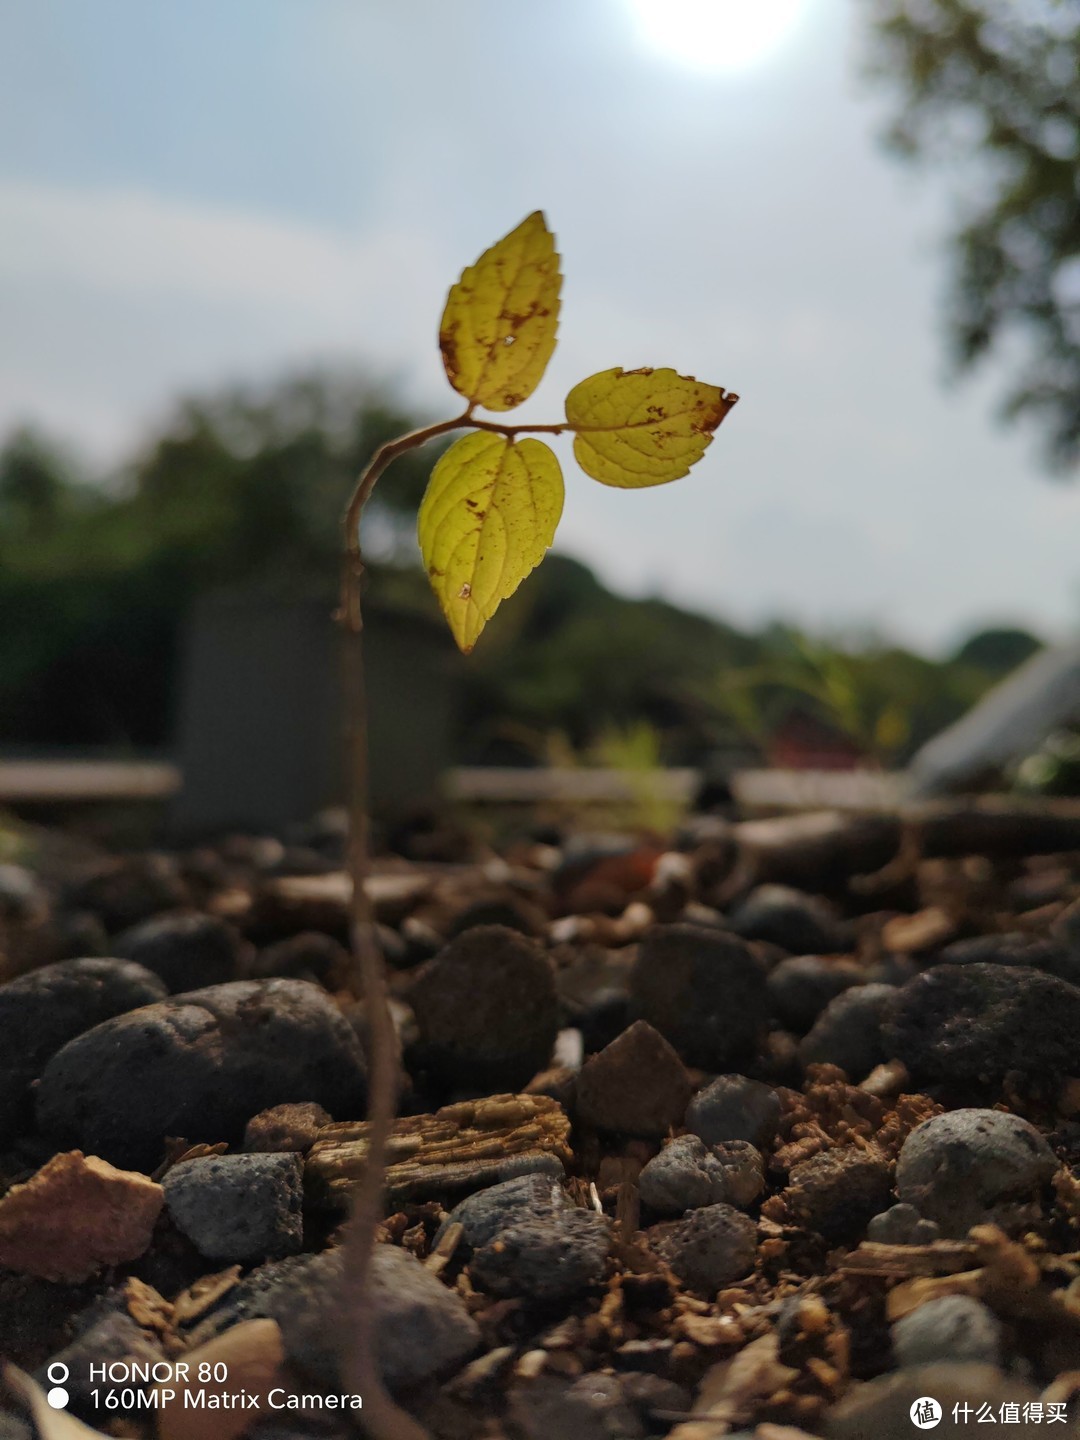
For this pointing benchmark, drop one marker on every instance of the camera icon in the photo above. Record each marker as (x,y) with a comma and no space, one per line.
(57,1397)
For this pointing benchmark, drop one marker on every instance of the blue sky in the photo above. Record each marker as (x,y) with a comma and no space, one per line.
(199,193)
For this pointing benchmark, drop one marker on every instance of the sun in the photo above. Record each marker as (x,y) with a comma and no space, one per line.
(715,35)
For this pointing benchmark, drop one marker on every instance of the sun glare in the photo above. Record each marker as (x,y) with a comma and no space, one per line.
(715,35)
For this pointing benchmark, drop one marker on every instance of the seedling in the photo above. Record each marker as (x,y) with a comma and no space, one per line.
(490,513)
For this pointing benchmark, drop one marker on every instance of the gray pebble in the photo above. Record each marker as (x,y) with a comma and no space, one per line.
(595,1407)
(545,1257)
(803,985)
(238,1207)
(952,1327)
(734,1107)
(188,950)
(422,1329)
(704,991)
(848,1031)
(971,1167)
(710,1248)
(200,1066)
(799,923)
(902,1225)
(41,1011)
(483,1214)
(688,1174)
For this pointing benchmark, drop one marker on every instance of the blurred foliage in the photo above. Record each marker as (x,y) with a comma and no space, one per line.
(1054,769)
(1000,80)
(886,700)
(248,486)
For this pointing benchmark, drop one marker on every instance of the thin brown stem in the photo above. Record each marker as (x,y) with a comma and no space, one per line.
(382,1418)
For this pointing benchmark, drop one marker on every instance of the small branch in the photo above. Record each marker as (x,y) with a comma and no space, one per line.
(511,430)
(383,1419)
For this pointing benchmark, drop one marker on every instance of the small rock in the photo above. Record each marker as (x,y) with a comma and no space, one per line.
(902,1225)
(125,890)
(1016,947)
(486,1011)
(238,1207)
(422,1329)
(882,1407)
(847,1033)
(967,1026)
(704,991)
(307,956)
(950,1328)
(487,1212)
(286,1127)
(595,1407)
(973,1167)
(635,1086)
(544,1257)
(76,1215)
(688,1174)
(803,985)
(837,1192)
(43,1010)
(710,1248)
(188,950)
(200,1065)
(800,924)
(734,1107)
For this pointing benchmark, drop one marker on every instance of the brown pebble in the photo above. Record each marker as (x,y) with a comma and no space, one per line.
(637,1085)
(76,1215)
(286,1127)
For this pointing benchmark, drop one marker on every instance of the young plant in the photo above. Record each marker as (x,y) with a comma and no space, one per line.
(489,514)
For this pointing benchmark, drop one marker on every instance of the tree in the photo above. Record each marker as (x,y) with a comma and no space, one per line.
(998,80)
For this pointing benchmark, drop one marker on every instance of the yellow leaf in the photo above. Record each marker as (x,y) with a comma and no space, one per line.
(488,516)
(498,329)
(643,427)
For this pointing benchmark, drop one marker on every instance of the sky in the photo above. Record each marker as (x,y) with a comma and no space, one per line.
(198,194)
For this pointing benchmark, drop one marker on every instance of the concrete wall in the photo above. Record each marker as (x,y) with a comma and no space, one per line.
(260,738)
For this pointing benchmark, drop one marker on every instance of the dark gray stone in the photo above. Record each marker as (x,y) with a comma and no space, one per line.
(596,1407)
(972,1167)
(310,955)
(734,1107)
(200,1066)
(803,985)
(704,991)
(544,1257)
(238,1207)
(902,1225)
(483,1215)
(187,949)
(881,1408)
(422,1329)
(848,1031)
(687,1174)
(952,1327)
(43,1010)
(799,923)
(965,1027)
(710,1248)
(486,1011)
(1016,948)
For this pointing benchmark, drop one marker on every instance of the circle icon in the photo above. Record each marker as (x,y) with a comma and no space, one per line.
(925,1413)
(58,1397)
(57,1372)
